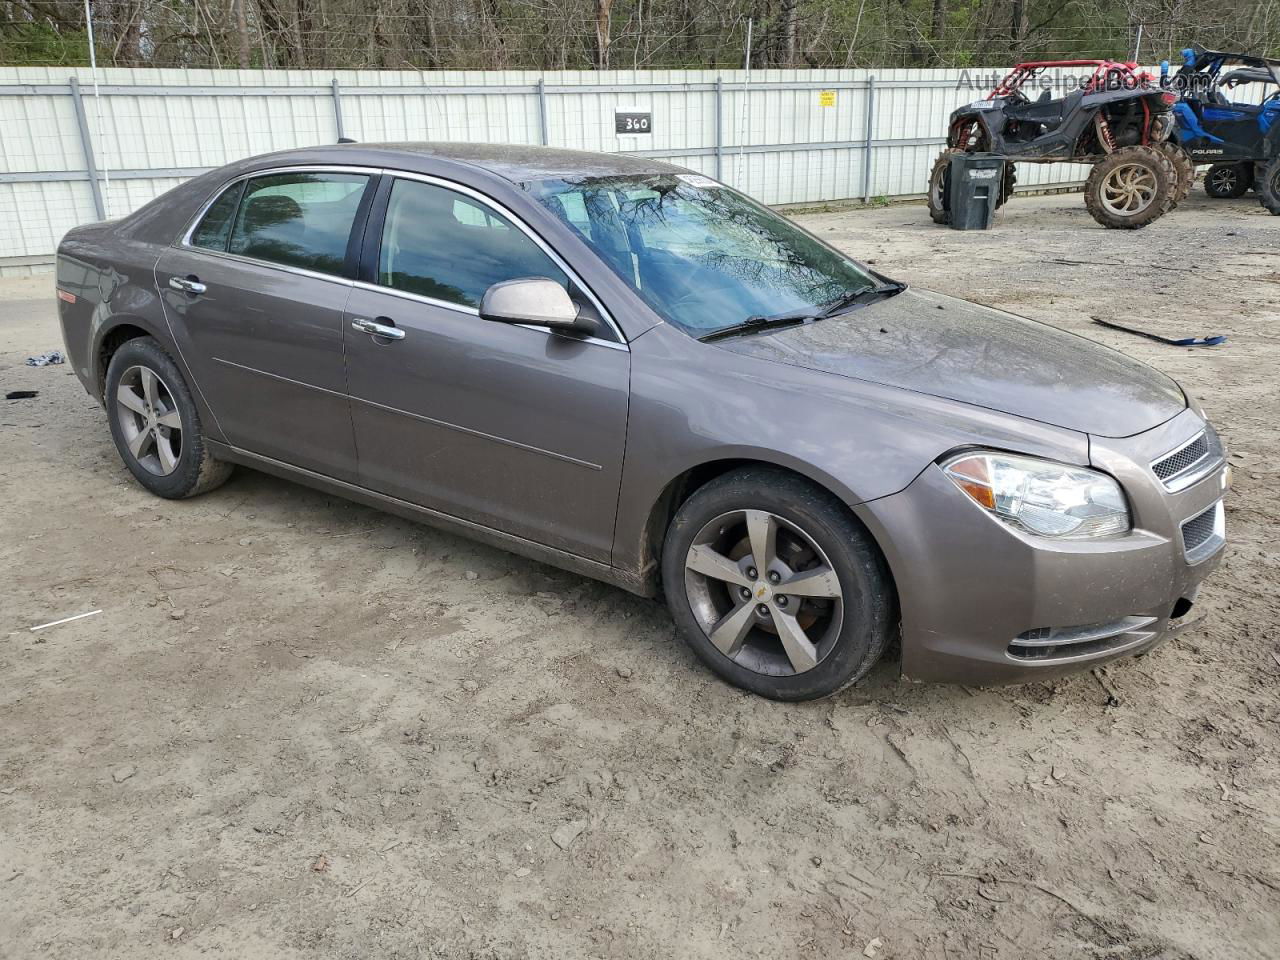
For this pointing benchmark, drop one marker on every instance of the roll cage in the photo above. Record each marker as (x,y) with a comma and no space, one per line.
(1107,75)
(1247,68)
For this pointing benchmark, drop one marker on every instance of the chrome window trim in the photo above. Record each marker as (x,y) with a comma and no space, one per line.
(529,232)
(1193,472)
(283,267)
(185,243)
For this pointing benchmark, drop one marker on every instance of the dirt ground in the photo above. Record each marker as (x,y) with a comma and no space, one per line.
(299,728)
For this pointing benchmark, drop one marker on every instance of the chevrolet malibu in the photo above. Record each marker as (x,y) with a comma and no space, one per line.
(638,374)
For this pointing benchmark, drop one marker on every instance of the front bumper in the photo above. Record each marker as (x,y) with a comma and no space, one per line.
(984,603)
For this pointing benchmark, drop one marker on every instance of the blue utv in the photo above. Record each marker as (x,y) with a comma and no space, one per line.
(1229,116)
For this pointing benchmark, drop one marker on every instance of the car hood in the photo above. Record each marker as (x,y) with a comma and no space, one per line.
(949,348)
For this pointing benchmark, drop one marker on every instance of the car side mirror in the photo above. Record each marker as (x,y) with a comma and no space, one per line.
(536,300)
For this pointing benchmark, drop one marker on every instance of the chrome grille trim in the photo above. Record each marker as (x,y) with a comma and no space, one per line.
(1189,462)
(1066,644)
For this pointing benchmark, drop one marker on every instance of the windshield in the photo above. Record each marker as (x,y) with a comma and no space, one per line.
(704,257)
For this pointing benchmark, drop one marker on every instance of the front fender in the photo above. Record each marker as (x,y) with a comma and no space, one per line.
(693,404)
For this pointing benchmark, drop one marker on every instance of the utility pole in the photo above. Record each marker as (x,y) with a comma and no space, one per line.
(242,33)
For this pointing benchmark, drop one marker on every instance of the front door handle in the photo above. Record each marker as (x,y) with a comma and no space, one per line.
(375,329)
(187,285)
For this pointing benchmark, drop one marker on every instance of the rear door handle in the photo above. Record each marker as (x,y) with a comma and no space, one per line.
(187,285)
(375,329)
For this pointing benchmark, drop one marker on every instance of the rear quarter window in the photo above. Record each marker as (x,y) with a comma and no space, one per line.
(214,230)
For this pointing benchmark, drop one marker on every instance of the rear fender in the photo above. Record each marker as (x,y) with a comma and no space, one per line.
(112,324)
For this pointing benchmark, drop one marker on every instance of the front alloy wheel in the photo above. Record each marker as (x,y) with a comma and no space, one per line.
(764,592)
(1129,189)
(776,586)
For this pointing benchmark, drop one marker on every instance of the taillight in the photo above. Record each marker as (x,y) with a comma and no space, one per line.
(1168,99)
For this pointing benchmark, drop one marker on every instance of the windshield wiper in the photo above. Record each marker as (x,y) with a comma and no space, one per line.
(855,297)
(807,315)
(755,324)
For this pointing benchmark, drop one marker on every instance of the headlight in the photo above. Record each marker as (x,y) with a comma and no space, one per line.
(1042,497)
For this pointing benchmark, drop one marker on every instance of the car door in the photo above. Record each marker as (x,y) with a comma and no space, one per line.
(509,426)
(255,297)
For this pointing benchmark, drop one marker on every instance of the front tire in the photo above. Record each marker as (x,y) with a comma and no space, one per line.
(775,586)
(155,424)
(1131,188)
(1269,187)
(1228,181)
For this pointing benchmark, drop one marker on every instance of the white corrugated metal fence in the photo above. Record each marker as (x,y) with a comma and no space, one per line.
(73,150)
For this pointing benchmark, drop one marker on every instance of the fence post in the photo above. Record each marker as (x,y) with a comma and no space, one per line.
(866,154)
(91,165)
(720,127)
(542,111)
(337,109)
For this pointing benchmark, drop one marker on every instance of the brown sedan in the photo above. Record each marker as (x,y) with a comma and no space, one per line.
(637,373)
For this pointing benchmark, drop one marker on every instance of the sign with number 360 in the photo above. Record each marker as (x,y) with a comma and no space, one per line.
(632,122)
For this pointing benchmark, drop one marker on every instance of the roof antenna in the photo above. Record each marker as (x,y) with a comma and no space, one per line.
(346,140)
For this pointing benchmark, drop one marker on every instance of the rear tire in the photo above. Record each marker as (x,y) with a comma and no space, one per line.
(799,644)
(1184,166)
(1007,185)
(1269,187)
(1228,181)
(155,424)
(1131,188)
(939,179)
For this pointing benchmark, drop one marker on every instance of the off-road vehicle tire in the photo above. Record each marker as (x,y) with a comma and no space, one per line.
(1182,163)
(846,614)
(155,424)
(1269,187)
(1228,181)
(1007,185)
(939,207)
(1131,188)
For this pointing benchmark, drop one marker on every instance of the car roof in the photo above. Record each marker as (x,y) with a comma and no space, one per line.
(518,163)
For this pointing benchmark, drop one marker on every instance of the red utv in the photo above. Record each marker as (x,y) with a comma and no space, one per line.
(1118,119)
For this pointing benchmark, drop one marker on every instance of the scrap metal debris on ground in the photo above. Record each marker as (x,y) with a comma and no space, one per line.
(1209,341)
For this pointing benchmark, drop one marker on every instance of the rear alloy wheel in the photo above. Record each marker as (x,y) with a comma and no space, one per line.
(149,420)
(1183,165)
(1269,187)
(1130,188)
(775,586)
(1228,181)
(155,424)
(939,181)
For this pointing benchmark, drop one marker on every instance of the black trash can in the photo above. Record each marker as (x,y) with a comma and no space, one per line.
(973,186)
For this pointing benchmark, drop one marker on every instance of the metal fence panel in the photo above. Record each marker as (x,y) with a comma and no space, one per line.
(785,136)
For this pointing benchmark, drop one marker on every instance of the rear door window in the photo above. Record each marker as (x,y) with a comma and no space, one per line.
(441,244)
(298,219)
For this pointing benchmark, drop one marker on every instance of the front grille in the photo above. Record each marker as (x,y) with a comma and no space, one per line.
(1080,643)
(1182,459)
(1203,533)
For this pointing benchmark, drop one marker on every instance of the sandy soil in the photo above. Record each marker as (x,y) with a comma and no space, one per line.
(300,728)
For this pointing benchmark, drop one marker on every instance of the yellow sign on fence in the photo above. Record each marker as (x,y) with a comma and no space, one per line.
(826,98)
